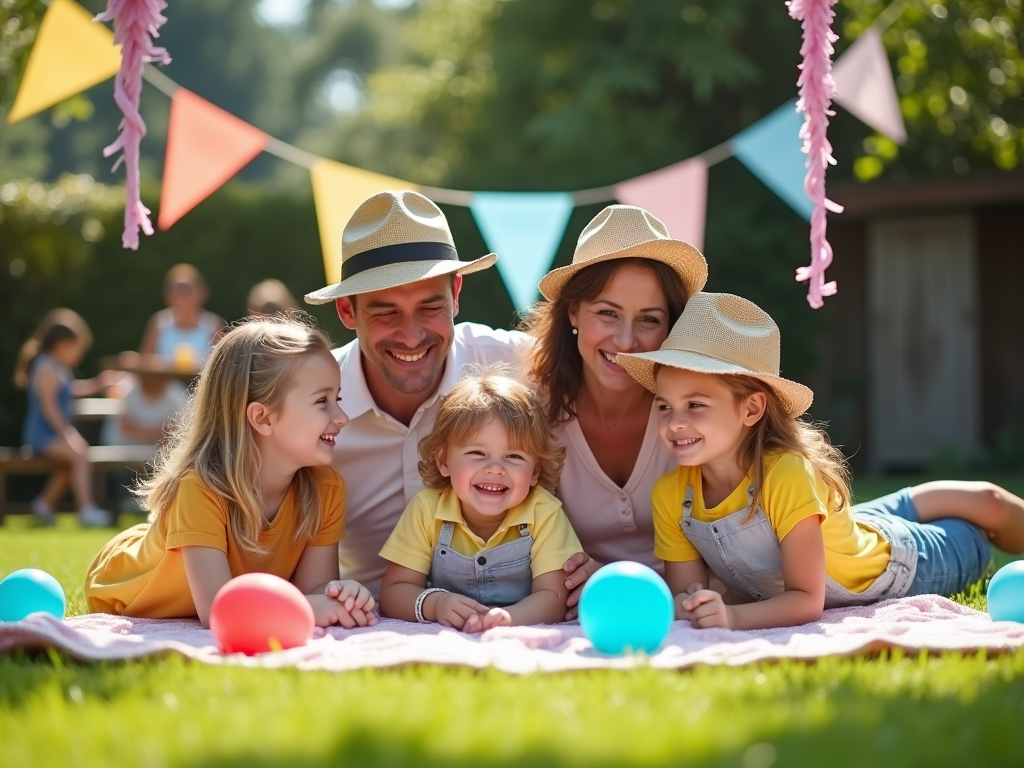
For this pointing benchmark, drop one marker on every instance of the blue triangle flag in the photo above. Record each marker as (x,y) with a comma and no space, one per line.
(524,229)
(771,150)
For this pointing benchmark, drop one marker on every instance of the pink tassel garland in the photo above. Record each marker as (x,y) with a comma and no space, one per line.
(816,92)
(135,24)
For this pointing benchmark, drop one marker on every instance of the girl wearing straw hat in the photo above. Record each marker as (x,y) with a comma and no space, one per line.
(761,499)
(626,285)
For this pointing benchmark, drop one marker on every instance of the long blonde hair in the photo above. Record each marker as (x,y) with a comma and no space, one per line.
(472,403)
(253,362)
(778,432)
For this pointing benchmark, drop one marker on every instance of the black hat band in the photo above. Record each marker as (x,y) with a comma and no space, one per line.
(396,254)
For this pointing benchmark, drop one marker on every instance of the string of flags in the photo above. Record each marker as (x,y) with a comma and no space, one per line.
(207,146)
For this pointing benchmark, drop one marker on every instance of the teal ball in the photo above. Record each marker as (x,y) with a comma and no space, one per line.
(30,591)
(625,607)
(1006,593)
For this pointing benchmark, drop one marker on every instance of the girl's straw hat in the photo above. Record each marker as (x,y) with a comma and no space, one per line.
(394,238)
(625,231)
(720,333)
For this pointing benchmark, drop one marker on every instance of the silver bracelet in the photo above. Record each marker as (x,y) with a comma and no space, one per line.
(421,599)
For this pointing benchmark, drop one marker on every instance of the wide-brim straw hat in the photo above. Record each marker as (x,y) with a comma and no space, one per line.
(719,333)
(392,239)
(622,232)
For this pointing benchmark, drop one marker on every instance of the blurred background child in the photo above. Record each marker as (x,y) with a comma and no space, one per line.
(270,298)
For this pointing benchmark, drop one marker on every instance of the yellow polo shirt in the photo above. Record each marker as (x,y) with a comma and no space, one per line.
(412,542)
(141,571)
(855,553)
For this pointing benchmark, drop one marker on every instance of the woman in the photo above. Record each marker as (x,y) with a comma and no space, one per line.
(626,286)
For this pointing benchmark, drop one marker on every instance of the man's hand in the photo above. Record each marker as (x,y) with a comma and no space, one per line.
(577,569)
(451,610)
(704,608)
(495,617)
(351,594)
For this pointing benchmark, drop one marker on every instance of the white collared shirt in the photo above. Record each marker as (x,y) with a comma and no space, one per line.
(378,455)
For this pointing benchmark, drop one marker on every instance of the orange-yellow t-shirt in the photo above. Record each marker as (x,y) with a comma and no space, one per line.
(141,571)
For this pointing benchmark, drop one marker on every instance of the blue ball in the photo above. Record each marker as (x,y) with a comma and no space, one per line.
(626,607)
(1006,593)
(28,591)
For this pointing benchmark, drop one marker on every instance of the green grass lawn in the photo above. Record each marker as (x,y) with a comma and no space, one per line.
(950,710)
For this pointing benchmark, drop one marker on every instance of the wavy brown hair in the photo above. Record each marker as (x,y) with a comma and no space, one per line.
(472,403)
(254,362)
(555,363)
(57,325)
(778,432)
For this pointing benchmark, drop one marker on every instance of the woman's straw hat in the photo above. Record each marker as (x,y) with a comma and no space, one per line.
(625,231)
(720,333)
(394,238)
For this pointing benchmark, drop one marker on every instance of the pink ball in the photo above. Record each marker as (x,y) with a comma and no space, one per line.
(259,612)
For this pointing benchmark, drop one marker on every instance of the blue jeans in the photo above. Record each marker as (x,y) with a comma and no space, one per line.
(952,553)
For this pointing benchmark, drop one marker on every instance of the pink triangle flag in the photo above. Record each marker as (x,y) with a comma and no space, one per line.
(677,195)
(864,85)
(206,146)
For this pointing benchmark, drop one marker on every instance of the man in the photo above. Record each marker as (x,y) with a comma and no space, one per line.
(399,291)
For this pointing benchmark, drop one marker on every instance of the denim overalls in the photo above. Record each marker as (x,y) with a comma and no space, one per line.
(747,556)
(497,577)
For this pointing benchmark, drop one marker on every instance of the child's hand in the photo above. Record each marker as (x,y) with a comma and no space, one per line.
(495,617)
(704,608)
(452,610)
(351,594)
(328,611)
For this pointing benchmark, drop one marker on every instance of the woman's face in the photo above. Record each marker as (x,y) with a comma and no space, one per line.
(630,314)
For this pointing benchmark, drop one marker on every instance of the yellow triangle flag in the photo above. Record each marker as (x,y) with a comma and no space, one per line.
(71,53)
(338,189)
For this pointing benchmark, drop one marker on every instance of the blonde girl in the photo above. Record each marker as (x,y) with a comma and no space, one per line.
(483,544)
(244,485)
(762,500)
(44,369)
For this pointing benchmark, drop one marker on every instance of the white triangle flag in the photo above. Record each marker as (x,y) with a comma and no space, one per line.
(864,85)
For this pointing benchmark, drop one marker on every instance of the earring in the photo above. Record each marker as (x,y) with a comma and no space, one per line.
(574,331)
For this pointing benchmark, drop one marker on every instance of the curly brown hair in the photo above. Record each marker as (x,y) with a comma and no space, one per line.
(472,403)
(555,363)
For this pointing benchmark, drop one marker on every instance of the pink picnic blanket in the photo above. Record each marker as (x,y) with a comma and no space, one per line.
(927,622)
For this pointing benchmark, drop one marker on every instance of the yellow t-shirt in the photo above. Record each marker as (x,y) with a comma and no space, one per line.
(141,571)
(855,553)
(412,542)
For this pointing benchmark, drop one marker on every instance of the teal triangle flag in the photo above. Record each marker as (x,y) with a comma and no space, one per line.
(772,150)
(525,230)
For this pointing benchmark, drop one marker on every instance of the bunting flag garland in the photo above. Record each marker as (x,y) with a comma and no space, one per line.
(206,146)
(525,230)
(70,55)
(770,149)
(865,87)
(677,195)
(338,189)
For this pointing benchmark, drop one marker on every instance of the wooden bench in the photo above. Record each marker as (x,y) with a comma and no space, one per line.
(104,459)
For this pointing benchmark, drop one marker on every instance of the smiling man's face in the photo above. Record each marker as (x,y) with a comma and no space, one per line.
(405,332)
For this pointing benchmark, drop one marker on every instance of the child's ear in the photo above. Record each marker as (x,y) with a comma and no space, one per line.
(536,474)
(441,459)
(753,408)
(260,418)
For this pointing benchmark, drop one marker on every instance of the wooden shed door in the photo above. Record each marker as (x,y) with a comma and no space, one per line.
(923,347)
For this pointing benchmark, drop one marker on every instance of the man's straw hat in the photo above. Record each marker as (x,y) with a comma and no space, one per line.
(722,334)
(625,231)
(394,238)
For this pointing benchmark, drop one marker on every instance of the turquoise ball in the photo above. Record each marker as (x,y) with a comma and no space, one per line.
(626,607)
(30,591)
(1006,593)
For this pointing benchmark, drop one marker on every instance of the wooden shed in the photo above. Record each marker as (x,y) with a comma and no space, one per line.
(922,354)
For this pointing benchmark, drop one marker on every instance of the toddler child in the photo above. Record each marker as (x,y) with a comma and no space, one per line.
(761,498)
(483,544)
(244,484)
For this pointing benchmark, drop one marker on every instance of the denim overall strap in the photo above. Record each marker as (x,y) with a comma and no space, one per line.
(744,554)
(500,576)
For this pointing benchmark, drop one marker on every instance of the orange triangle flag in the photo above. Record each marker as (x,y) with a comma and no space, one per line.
(71,54)
(206,146)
